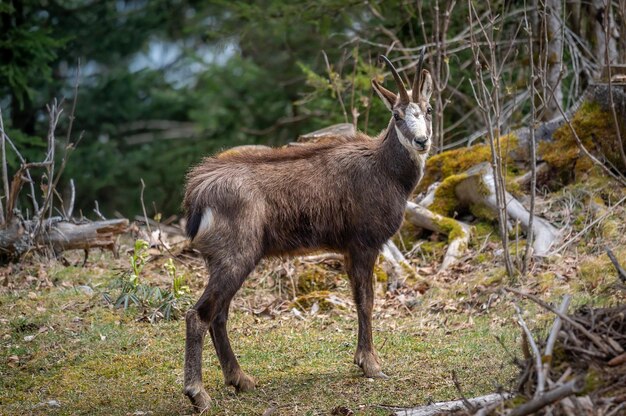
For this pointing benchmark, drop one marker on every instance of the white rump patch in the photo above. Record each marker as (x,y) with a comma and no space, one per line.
(207,221)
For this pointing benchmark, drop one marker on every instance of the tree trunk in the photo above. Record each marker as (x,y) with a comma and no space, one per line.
(552,58)
(604,22)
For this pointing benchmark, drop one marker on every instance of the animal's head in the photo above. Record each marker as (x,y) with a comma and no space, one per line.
(412,113)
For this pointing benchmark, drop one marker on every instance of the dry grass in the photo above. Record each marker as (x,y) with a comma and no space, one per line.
(63,351)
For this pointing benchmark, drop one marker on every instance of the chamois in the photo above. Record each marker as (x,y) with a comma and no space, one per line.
(348,197)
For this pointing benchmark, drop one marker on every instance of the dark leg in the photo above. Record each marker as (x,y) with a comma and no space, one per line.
(360,266)
(196,330)
(210,313)
(233,374)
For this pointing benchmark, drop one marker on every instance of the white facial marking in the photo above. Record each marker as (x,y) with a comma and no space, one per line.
(415,121)
(206,222)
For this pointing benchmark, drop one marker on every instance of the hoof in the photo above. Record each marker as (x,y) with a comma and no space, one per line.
(242,382)
(370,365)
(380,374)
(200,399)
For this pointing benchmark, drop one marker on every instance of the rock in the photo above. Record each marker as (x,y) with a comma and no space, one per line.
(85,289)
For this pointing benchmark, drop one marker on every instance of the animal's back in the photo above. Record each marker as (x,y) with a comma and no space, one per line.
(307,197)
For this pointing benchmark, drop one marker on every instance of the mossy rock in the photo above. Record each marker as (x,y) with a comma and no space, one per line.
(453,162)
(451,227)
(483,212)
(446,202)
(596,130)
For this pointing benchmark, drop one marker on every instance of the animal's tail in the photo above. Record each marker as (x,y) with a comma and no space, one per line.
(194,218)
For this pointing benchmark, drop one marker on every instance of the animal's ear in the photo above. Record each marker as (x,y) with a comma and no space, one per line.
(389,98)
(426,89)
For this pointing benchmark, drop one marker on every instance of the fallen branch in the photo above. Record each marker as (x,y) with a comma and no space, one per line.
(541,381)
(479,189)
(556,327)
(458,232)
(621,273)
(398,267)
(59,235)
(451,406)
(539,402)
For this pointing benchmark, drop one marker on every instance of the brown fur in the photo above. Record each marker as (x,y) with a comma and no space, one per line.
(346,196)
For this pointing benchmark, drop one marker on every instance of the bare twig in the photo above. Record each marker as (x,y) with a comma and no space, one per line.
(556,327)
(531,147)
(547,398)
(607,349)
(489,101)
(70,208)
(541,382)
(457,385)
(607,37)
(586,229)
(96,210)
(143,207)
(621,273)
(28,177)
(5,175)
(333,83)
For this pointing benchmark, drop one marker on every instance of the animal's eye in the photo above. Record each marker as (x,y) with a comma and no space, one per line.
(429,110)
(396,116)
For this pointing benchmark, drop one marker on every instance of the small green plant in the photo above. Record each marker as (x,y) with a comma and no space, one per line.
(171,301)
(137,261)
(153,302)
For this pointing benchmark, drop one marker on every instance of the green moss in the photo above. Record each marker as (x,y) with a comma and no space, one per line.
(314,278)
(593,381)
(546,281)
(596,274)
(596,130)
(450,227)
(380,275)
(452,162)
(306,301)
(408,235)
(433,248)
(446,201)
(480,258)
(483,212)
(489,279)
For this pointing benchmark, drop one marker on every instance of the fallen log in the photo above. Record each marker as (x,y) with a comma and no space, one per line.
(396,265)
(476,188)
(59,235)
(452,406)
(458,232)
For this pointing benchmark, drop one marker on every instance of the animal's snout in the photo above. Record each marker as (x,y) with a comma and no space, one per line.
(420,142)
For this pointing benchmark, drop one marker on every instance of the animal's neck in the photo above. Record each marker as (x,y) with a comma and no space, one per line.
(397,160)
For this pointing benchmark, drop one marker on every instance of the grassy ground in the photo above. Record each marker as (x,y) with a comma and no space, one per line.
(65,350)
(93,359)
(68,352)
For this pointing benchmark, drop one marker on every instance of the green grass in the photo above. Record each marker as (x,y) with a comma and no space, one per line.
(93,359)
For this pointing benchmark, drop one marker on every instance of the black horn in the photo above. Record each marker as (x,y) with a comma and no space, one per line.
(404,96)
(418,75)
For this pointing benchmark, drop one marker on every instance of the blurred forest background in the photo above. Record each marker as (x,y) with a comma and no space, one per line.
(164,82)
(105,105)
